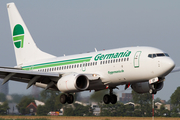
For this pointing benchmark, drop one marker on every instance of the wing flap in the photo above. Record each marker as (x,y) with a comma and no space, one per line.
(30,77)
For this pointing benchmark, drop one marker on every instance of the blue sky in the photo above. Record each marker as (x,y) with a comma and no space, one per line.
(71,27)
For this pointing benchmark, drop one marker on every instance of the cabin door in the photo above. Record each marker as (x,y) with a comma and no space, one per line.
(137,59)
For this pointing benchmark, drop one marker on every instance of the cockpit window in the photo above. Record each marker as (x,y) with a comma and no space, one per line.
(150,56)
(158,55)
(154,55)
(166,54)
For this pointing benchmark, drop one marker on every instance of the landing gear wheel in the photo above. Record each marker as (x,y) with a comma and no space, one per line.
(113,99)
(70,99)
(63,98)
(151,91)
(154,92)
(106,99)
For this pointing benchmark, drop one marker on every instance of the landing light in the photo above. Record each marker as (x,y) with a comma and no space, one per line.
(94,75)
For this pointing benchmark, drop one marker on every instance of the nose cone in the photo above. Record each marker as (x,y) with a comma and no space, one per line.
(168,65)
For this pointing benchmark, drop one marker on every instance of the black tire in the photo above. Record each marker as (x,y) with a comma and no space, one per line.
(63,98)
(151,91)
(113,99)
(106,99)
(154,92)
(70,99)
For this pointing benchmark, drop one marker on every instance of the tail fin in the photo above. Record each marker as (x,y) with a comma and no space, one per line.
(25,49)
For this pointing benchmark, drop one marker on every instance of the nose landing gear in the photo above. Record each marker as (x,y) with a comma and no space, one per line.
(110,98)
(152,90)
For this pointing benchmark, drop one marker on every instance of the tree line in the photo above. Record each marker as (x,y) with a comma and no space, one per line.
(143,107)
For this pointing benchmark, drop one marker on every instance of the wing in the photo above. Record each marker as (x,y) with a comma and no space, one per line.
(47,80)
(176,69)
(30,77)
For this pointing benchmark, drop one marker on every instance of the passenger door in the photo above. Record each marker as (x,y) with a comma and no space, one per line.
(137,59)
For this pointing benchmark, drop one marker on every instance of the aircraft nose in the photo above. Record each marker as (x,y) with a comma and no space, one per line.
(168,65)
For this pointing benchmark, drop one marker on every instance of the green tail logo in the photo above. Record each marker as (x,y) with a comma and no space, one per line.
(18,36)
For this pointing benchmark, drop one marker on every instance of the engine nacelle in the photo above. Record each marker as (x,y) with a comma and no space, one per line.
(73,83)
(144,87)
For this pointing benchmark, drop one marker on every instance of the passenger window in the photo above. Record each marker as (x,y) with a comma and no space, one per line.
(67,67)
(113,61)
(95,63)
(77,65)
(127,59)
(116,60)
(80,65)
(121,59)
(106,61)
(124,59)
(101,62)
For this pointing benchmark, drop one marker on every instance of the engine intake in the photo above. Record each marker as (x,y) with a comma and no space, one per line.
(73,83)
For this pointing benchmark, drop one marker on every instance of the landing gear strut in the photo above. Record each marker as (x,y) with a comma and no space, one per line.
(110,98)
(69,98)
(152,90)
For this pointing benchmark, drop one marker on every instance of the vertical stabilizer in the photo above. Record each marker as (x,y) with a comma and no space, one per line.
(26,50)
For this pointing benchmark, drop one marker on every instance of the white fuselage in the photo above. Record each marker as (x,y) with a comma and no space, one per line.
(115,67)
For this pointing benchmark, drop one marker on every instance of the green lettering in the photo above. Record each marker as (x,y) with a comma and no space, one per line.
(97,57)
(102,57)
(127,55)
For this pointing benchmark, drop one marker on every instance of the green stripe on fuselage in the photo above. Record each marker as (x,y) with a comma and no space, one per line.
(57,63)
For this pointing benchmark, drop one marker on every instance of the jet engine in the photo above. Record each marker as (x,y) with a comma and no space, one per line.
(73,83)
(145,87)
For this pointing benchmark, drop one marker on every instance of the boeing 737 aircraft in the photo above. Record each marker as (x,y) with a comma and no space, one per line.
(142,68)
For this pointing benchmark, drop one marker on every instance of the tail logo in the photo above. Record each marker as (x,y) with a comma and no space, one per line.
(18,36)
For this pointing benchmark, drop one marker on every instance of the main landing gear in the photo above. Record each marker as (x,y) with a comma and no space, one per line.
(110,98)
(69,98)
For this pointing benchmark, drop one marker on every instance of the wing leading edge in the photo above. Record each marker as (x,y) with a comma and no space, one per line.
(30,77)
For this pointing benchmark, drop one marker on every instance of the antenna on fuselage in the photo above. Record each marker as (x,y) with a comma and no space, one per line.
(95,49)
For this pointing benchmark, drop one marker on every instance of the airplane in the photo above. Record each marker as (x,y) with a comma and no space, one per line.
(142,68)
